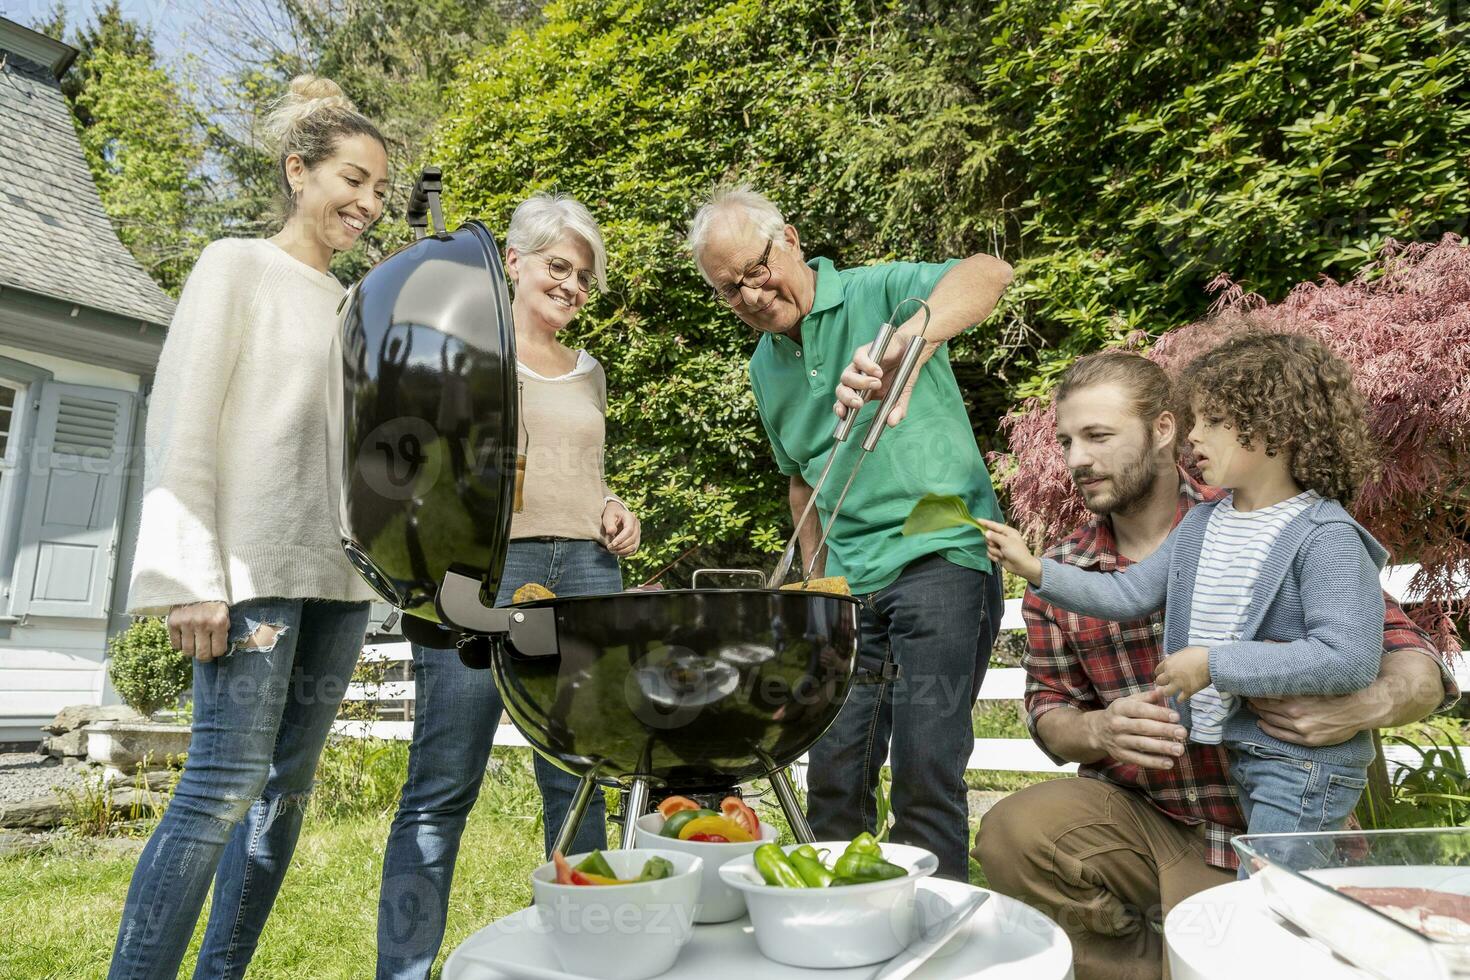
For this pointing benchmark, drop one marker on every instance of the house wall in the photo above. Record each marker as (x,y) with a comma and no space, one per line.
(74,372)
(47,662)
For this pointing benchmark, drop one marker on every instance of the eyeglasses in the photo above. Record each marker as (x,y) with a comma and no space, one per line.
(755,277)
(561,269)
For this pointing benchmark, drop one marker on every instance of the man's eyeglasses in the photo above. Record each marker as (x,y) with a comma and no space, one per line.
(755,277)
(560,269)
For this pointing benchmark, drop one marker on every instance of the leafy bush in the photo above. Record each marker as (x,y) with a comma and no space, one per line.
(1403,324)
(146,670)
(1121,154)
(359,776)
(1431,791)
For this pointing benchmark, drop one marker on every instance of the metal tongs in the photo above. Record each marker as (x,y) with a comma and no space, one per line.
(844,428)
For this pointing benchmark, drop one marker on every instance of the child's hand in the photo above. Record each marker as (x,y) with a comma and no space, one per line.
(1006,546)
(1185,673)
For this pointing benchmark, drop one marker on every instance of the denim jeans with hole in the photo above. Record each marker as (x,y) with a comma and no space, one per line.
(937,621)
(261,717)
(456,712)
(1280,794)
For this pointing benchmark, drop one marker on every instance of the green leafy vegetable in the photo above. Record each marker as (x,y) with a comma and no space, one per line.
(935,513)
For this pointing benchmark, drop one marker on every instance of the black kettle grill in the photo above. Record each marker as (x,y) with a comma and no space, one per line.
(688,691)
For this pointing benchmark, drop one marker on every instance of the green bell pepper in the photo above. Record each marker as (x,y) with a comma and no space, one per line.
(865,867)
(596,864)
(776,868)
(655,868)
(864,843)
(675,823)
(810,867)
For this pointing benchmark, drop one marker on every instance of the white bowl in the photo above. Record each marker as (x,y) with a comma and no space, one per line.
(718,902)
(858,924)
(620,932)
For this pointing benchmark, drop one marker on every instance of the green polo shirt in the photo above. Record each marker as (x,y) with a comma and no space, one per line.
(932,450)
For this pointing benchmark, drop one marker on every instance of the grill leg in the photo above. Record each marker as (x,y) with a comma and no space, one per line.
(580,802)
(786,796)
(634,804)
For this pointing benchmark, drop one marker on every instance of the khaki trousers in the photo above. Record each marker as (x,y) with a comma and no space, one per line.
(1102,862)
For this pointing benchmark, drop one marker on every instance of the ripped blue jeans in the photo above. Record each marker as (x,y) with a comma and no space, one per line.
(262,714)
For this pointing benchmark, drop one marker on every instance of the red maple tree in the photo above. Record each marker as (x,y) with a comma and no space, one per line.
(1403,323)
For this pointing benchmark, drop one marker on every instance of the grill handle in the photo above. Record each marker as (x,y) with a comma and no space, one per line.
(423,203)
(759,576)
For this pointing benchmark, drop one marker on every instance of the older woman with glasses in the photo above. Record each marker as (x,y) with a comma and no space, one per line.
(567,534)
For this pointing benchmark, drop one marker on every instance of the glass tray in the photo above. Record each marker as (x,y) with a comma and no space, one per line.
(1300,874)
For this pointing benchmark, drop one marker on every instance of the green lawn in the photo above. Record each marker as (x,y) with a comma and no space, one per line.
(59,911)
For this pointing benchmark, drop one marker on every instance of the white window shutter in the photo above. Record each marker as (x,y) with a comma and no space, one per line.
(69,527)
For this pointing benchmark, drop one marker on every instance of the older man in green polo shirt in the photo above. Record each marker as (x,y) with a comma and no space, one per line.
(932,602)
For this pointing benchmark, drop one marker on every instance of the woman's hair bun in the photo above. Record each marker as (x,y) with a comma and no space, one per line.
(308,94)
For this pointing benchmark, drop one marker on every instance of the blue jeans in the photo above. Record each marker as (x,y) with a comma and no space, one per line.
(261,717)
(1280,794)
(457,711)
(937,621)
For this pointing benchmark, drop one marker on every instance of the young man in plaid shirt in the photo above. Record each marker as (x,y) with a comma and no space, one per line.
(1108,856)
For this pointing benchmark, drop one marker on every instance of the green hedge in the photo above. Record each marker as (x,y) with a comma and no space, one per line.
(1121,154)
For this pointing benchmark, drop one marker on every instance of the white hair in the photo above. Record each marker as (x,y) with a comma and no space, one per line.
(543,218)
(756,208)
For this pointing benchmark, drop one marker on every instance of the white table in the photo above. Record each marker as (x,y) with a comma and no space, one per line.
(1006,940)
(1228,931)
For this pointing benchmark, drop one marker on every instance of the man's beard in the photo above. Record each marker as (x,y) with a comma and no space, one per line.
(1130,482)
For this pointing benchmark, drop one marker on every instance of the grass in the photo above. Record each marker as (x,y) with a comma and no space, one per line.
(59,910)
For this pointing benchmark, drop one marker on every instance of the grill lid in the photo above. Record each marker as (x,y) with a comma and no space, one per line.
(422,412)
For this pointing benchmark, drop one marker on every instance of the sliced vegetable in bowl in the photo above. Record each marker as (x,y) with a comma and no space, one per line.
(671,805)
(861,863)
(866,913)
(684,819)
(594,870)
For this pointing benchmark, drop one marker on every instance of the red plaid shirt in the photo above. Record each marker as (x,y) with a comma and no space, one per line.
(1086,663)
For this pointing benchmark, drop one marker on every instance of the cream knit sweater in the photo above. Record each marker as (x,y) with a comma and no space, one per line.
(235,496)
(563,431)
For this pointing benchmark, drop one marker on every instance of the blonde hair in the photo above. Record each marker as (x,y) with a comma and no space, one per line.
(541,219)
(308,122)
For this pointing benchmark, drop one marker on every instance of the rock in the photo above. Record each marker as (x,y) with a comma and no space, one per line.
(38,814)
(70,761)
(983,800)
(72,743)
(157,780)
(124,797)
(79,715)
(19,845)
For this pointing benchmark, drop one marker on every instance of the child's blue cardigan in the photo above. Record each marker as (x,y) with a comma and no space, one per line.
(1315,624)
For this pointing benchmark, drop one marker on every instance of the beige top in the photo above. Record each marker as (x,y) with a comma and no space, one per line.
(563,433)
(235,494)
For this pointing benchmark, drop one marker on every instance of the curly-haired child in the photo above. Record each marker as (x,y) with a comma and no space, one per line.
(1272,591)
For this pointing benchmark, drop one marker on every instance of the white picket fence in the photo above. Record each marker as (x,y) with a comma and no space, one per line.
(1001,684)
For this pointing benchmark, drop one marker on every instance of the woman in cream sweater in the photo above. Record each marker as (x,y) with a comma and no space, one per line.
(237,547)
(567,535)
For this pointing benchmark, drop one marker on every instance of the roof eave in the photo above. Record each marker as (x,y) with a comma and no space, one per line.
(37,47)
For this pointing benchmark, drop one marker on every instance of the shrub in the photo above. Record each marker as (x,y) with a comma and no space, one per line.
(1403,324)
(146,670)
(1121,155)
